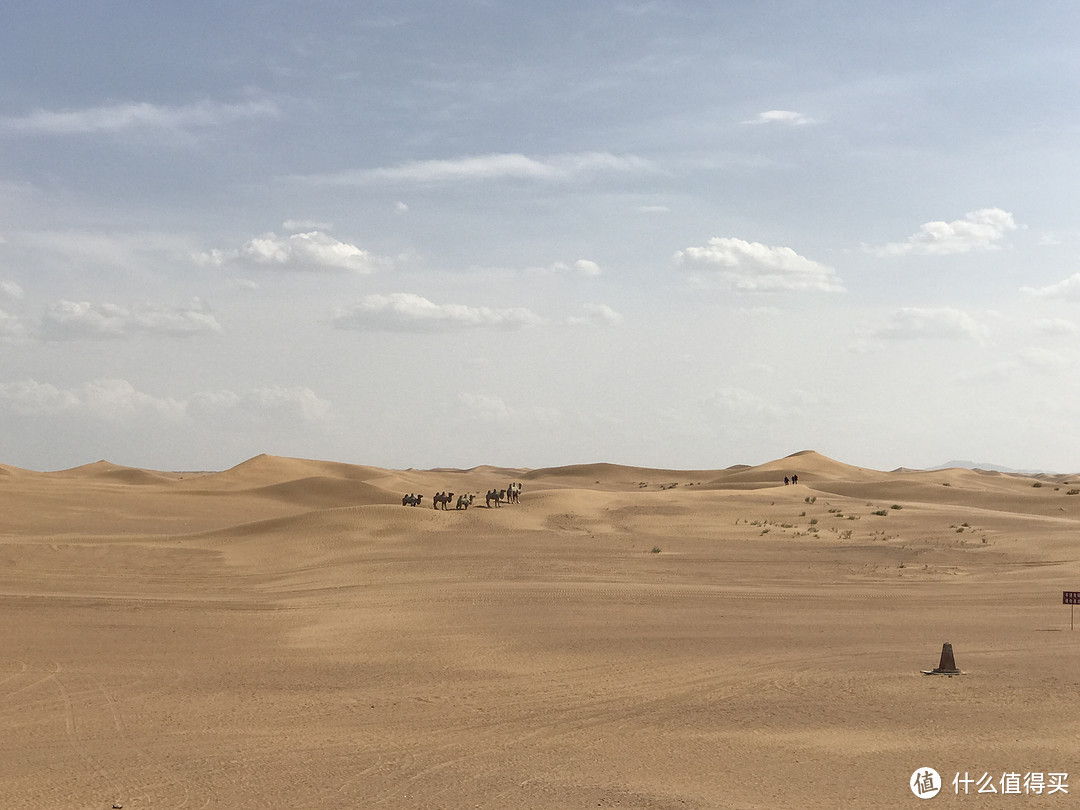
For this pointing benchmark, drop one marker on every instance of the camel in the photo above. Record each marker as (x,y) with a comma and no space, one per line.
(496,495)
(513,492)
(411,500)
(464,501)
(442,499)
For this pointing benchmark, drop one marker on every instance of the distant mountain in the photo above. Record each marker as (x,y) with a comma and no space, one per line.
(972,465)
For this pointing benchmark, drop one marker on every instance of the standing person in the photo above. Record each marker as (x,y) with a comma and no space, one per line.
(794,478)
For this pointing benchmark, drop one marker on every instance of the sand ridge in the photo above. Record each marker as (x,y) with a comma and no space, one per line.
(285,633)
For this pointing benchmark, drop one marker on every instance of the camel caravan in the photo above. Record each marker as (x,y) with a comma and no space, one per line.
(511,494)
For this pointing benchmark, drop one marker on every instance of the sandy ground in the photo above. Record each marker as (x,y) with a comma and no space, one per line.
(287,634)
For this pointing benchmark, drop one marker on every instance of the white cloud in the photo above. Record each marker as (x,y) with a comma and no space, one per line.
(104,399)
(587,267)
(71,320)
(979,230)
(273,402)
(137,115)
(11,290)
(584,267)
(488,409)
(597,315)
(293,225)
(1069,289)
(1056,326)
(740,402)
(754,267)
(117,399)
(1041,359)
(499,166)
(910,323)
(298,251)
(1032,359)
(413,313)
(134,250)
(12,327)
(786,117)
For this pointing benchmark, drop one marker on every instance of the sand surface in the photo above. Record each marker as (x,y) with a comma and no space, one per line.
(286,634)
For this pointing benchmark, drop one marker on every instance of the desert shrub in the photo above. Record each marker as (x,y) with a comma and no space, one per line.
(1073,492)
(882,512)
(656,549)
(1037,484)
(813,521)
(897,506)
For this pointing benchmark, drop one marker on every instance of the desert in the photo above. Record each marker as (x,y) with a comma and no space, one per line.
(285,633)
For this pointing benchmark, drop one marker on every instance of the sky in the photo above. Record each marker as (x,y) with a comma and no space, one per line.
(444,234)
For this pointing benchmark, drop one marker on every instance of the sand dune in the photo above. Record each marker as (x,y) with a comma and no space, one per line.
(285,633)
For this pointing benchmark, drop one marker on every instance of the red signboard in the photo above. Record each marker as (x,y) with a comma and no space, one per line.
(1070,597)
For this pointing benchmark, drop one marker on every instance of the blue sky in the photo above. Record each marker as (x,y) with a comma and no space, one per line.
(447,234)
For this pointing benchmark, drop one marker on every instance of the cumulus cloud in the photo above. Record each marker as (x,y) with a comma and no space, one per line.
(111,250)
(597,315)
(582,267)
(911,323)
(1056,326)
(499,166)
(1040,359)
(73,320)
(1069,289)
(117,399)
(103,398)
(741,402)
(273,402)
(736,402)
(137,115)
(487,409)
(786,117)
(12,327)
(587,267)
(413,313)
(978,230)
(11,290)
(1034,360)
(294,225)
(754,267)
(308,250)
